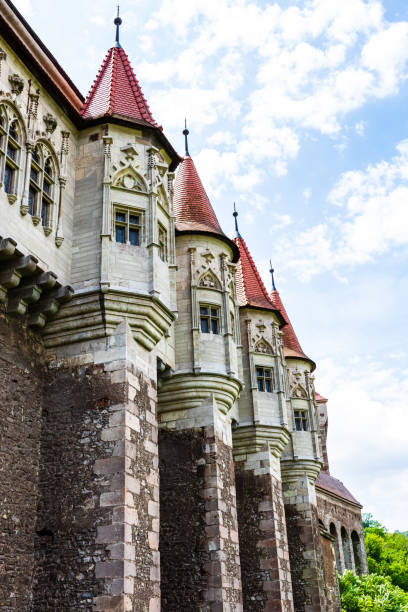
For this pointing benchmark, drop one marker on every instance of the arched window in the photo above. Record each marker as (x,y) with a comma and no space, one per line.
(333,532)
(42,186)
(346,549)
(355,540)
(10,151)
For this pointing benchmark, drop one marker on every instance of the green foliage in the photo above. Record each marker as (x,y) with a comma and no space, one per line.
(387,553)
(372,593)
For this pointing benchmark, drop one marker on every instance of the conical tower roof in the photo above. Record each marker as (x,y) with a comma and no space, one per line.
(290,342)
(116,92)
(251,290)
(192,207)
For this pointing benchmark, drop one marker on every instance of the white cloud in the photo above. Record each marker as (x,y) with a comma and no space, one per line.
(372,218)
(360,127)
(367,428)
(307,192)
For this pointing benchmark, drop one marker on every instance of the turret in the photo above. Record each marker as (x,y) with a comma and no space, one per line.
(198,511)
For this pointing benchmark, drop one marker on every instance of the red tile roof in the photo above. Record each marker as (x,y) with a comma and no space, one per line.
(116,91)
(290,342)
(332,485)
(320,399)
(192,206)
(251,290)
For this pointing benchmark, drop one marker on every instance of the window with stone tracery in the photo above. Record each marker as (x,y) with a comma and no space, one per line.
(162,243)
(209,319)
(300,420)
(10,151)
(41,191)
(128,226)
(264,379)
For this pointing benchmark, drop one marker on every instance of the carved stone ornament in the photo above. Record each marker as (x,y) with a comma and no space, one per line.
(50,123)
(209,280)
(297,388)
(129,151)
(263,347)
(130,181)
(16,83)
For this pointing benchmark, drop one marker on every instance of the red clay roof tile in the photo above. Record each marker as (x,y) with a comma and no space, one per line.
(116,91)
(251,290)
(320,399)
(290,342)
(192,206)
(332,485)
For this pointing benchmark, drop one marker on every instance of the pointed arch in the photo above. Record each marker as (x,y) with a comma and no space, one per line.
(47,150)
(209,280)
(263,346)
(128,178)
(13,109)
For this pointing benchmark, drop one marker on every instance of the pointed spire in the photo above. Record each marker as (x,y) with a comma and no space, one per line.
(192,207)
(251,290)
(118,23)
(186,133)
(116,91)
(271,270)
(291,344)
(235,215)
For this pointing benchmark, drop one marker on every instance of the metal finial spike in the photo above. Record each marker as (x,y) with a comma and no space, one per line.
(117,22)
(235,215)
(186,133)
(271,270)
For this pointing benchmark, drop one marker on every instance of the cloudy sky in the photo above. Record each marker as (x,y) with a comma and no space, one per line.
(298,112)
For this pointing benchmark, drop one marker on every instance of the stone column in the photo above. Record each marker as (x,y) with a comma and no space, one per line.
(265,566)
(305,550)
(24,206)
(198,522)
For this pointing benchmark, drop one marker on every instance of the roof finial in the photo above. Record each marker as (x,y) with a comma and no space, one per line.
(117,23)
(186,133)
(235,215)
(271,270)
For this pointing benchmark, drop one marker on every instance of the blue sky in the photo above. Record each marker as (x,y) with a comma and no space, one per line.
(298,112)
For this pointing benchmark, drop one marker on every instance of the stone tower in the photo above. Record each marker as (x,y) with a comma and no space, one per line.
(161,440)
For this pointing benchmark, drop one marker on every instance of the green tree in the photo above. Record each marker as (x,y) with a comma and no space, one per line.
(387,553)
(371,593)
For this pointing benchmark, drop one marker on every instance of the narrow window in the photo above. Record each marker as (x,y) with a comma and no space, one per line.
(210,319)
(264,378)
(300,420)
(9,151)
(163,244)
(128,227)
(41,189)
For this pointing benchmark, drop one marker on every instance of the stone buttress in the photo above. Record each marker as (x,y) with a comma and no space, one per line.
(198,521)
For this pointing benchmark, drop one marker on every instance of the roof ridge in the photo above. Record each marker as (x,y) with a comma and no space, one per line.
(136,88)
(112,79)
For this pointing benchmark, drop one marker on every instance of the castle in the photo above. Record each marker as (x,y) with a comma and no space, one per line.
(162,444)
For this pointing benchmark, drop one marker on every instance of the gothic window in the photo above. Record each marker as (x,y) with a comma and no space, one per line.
(42,185)
(10,149)
(162,243)
(209,319)
(233,325)
(346,549)
(355,540)
(300,420)
(264,379)
(128,226)
(333,532)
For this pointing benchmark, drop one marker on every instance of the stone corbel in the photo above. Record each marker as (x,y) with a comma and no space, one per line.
(50,123)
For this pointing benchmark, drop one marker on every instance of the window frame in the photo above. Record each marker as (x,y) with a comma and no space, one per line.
(264,380)
(163,243)
(127,224)
(210,318)
(301,418)
(43,199)
(10,164)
